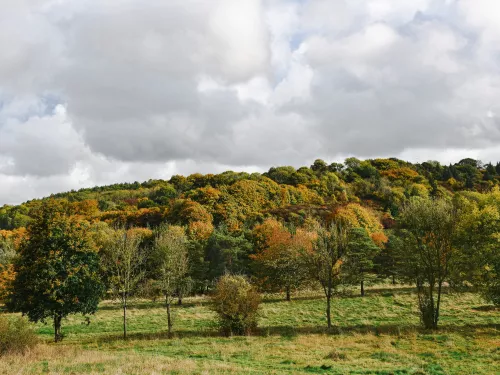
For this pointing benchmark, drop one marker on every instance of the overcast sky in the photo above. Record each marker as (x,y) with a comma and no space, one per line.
(94,92)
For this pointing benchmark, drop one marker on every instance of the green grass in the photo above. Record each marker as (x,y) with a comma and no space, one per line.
(377,334)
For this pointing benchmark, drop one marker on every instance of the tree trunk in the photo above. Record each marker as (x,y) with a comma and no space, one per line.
(328,310)
(169,317)
(393,279)
(362,288)
(57,328)
(436,312)
(288,297)
(179,300)
(328,300)
(124,321)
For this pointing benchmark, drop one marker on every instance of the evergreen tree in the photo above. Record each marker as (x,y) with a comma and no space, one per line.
(360,258)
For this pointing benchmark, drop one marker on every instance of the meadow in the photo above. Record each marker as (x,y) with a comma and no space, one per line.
(376,334)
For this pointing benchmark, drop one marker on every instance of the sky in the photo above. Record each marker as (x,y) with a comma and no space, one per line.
(96,92)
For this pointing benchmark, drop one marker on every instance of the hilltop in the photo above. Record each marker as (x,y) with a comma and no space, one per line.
(240,200)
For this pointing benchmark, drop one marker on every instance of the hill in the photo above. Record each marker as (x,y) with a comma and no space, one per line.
(241,200)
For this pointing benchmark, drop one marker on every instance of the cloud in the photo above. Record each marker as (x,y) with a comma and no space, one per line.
(96,92)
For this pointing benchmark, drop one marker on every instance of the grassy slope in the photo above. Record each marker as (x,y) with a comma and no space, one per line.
(378,334)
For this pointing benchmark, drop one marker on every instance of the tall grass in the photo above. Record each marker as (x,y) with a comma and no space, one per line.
(16,335)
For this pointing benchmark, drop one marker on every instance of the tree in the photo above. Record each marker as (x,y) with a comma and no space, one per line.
(282,254)
(7,254)
(428,228)
(124,260)
(385,260)
(329,251)
(227,253)
(360,258)
(57,270)
(319,166)
(170,254)
(479,260)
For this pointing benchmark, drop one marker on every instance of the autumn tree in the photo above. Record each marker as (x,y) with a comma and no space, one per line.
(7,254)
(124,259)
(428,228)
(57,270)
(170,254)
(329,252)
(282,256)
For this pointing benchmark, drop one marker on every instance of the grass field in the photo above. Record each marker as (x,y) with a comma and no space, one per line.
(377,334)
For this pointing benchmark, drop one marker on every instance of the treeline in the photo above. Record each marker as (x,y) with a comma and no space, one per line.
(241,200)
(327,225)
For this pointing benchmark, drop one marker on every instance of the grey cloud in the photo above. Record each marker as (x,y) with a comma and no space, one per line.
(152,87)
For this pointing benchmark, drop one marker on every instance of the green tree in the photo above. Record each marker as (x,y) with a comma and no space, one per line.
(428,229)
(360,258)
(385,260)
(479,261)
(227,253)
(170,254)
(57,270)
(198,265)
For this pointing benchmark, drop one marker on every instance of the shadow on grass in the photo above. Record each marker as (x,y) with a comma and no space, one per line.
(299,298)
(354,294)
(487,308)
(383,329)
(290,332)
(392,291)
(145,305)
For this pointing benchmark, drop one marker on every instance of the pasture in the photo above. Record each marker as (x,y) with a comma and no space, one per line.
(376,334)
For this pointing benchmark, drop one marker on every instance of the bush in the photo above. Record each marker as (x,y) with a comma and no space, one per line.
(16,335)
(236,302)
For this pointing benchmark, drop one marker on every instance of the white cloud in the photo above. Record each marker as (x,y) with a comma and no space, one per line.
(95,92)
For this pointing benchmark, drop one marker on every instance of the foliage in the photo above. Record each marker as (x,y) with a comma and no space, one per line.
(427,255)
(281,259)
(491,289)
(236,302)
(7,254)
(57,271)
(227,252)
(325,261)
(359,260)
(124,260)
(170,255)
(223,215)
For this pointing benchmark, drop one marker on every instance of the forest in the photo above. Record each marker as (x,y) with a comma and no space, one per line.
(235,237)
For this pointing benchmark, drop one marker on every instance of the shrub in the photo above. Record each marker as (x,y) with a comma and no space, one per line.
(16,335)
(236,302)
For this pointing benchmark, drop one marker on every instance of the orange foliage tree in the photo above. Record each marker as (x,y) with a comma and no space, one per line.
(282,254)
